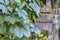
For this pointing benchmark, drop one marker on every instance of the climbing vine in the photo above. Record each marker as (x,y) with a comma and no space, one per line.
(17,18)
(57,2)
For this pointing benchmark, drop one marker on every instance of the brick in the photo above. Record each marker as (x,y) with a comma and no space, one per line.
(46,18)
(44,26)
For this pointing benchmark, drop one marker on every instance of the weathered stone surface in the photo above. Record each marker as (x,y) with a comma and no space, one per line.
(58,18)
(56,37)
(48,27)
(46,18)
(45,12)
(58,11)
(44,26)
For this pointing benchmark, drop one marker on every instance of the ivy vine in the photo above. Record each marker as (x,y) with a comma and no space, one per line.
(17,18)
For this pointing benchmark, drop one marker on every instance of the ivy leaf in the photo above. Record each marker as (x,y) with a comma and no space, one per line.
(37,31)
(1,20)
(58,25)
(18,1)
(12,28)
(27,28)
(18,32)
(27,21)
(31,25)
(29,7)
(23,14)
(30,0)
(2,1)
(17,20)
(6,2)
(7,18)
(2,29)
(38,1)
(12,1)
(56,21)
(16,9)
(27,34)
(12,20)
(32,29)
(3,8)
(35,7)
(22,4)
(10,8)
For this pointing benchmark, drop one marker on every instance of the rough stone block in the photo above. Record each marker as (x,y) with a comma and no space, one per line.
(58,11)
(44,26)
(46,18)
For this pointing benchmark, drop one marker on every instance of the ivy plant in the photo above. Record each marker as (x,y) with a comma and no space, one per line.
(17,18)
(57,2)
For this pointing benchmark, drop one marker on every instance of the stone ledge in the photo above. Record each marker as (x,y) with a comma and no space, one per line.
(45,26)
(46,18)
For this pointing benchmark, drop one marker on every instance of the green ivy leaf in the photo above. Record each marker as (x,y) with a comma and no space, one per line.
(27,27)
(37,31)
(36,8)
(1,20)
(38,1)
(7,18)
(58,25)
(12,20)
(32,25)
(2,29)
(10,8)
(12,2)
(27,34)
(27,21)
(21,5)
(3,8)
(2,1)
(12,27)
(18,32)
(6,2)
(18,1)
(23,14)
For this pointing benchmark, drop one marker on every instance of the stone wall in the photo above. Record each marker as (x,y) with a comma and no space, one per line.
(46,23)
